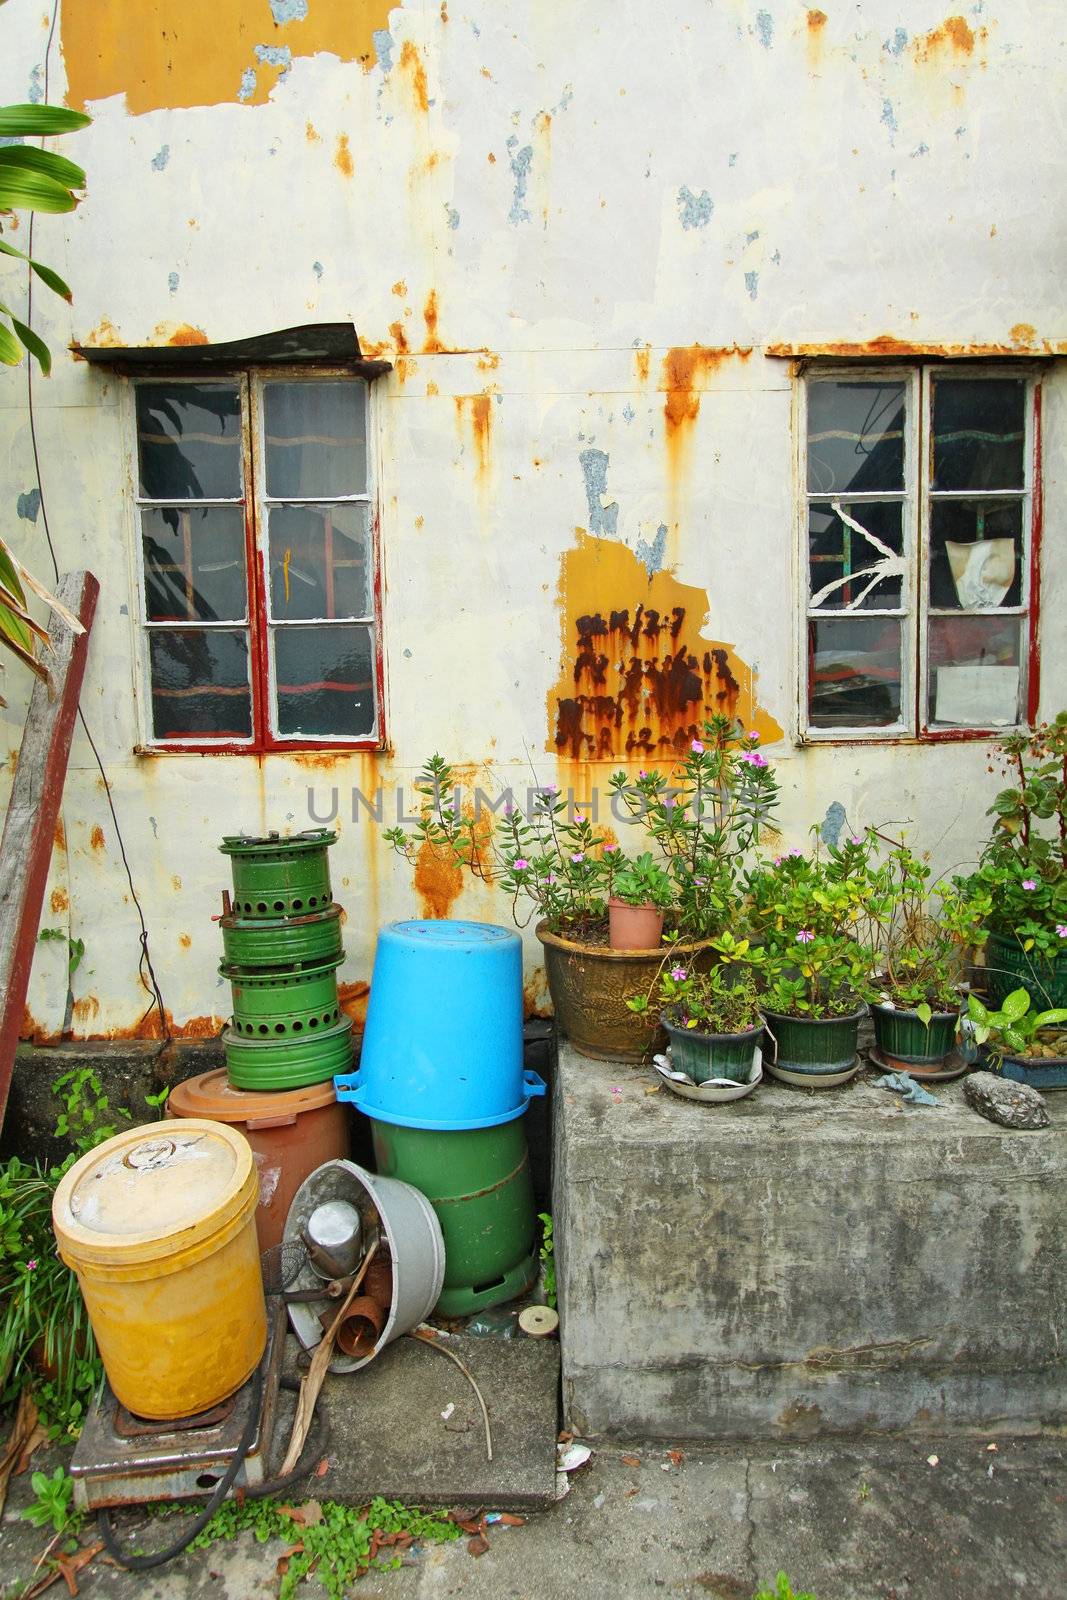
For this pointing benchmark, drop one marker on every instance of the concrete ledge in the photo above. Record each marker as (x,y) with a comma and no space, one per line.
(803,1263)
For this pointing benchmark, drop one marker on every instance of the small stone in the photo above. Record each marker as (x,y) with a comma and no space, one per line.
(1012,1105)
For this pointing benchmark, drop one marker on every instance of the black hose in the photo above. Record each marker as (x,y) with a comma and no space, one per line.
(319,1435)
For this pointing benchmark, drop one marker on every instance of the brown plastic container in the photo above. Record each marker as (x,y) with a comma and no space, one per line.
(291,1131)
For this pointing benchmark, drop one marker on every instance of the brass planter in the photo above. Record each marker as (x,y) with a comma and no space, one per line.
(590,985)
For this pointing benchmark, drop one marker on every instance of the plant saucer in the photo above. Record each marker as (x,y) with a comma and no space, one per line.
(716,1090)
(954,1066)
(813,1080)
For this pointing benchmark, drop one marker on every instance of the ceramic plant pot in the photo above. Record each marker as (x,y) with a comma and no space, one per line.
(905,1041)
(634,927)
(712,1055)
(591,983)
(1008,966)
(814,1045)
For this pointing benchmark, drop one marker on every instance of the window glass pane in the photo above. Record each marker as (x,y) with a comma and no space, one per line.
(854,672)
(858,563)
(976,553)
(320,561)
(978,433)
(855,436)
(975,674)
(189,441)
(200,684)
(325,681)
(316,439)
(194,563)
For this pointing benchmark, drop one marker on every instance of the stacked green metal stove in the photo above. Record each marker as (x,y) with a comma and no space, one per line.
(281,937)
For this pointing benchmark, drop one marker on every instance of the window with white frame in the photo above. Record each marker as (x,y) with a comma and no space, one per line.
(257,561)
(919,528)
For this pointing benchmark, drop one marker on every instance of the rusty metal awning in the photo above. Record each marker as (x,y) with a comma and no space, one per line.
(314,342)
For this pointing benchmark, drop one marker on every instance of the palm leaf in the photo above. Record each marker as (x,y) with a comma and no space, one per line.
(32,121)
(10,349)
(29,157)
(33,191)
(39,589)
(34,344)
(7,599)
(46,275)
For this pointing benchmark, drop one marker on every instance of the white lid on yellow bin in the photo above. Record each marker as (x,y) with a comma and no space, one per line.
(153,1191)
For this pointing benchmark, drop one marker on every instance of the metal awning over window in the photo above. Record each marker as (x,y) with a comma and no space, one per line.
(319,342)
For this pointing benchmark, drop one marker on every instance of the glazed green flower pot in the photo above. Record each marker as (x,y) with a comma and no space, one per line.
(814,1044)
(904,1039)
(1008,966)
(276,877)
(702,1056)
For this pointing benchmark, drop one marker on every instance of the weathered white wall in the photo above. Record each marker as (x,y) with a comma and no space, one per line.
(575,193)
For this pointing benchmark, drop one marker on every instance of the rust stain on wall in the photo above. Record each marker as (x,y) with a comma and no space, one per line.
(203,52)
(432,344)
(641,362)
(342,158)
(411,64)
(1022,341)
(59,838)
(816,21)
(185,334)
(438,880)
(400,338)
(312,134)
(86,1009)
(953,39)
(104,335)
(637,675)
(59,902)
(96,838)
(185,940)
(686,369)
(481,425)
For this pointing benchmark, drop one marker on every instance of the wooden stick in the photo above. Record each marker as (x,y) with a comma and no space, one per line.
(315,1376)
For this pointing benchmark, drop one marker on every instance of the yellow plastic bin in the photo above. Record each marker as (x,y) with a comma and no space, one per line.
(159,1224)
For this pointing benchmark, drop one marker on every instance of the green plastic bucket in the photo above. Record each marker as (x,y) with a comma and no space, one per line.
(478,1182)
(288,1063)
(275,877)
(284,1005)
(813,1044)
(1008,966)
(283,941)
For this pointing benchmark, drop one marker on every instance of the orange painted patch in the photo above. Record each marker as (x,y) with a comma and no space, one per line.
(432,344)
(199,53)
(342,156)
(59,901)
(188,335)
(438,880)
(411,63)
(96,839)
(400,338)
(637,676)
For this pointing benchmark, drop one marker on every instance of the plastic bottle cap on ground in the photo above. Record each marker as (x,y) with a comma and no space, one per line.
(538,1321)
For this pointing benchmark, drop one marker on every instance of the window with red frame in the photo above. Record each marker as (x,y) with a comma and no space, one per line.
(257,559)
(920,536)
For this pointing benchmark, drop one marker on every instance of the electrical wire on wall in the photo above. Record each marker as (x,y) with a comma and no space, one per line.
(145,969)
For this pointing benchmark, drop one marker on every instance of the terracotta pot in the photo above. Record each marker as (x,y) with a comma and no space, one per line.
(591,983)
(634,927)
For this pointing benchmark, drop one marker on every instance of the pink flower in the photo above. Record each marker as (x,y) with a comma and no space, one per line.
(31,1266)
(579,855)
(642,773)
(677,973)
(856,839)
(795,852)
(753,734)
(777,861)
(609,847)
(1061,929)
(1029,883)
(578,817)
(753,758)
(519,864)
(697,748)
(551,878)
(805,936)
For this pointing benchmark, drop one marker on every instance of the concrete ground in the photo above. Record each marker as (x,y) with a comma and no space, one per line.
(862,1520)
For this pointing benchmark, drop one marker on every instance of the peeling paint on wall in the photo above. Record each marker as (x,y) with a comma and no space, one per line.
(832,823)
(205,52)
(637,674)
(603,511)
(29,504)
(694,210)
(520,168)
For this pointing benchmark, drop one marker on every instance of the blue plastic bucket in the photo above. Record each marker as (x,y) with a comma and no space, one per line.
(442,1047)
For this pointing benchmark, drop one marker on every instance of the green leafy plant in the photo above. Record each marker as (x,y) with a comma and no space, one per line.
(640,882)
(337,1543)
(1014,1030)
(548,1257)
(783,1590)
(723,999)
(53,1502)
(75,947)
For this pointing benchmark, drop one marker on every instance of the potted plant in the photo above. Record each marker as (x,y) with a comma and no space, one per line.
(925,933)
(699,821)
(1023,870)
(816,972)
(712,1017)
(1026,1045)
(639,892)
